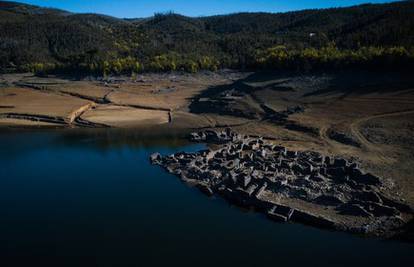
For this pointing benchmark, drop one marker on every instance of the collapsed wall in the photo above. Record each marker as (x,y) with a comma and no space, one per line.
(289,185)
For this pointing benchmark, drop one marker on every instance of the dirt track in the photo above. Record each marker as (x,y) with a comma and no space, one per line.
(356,125)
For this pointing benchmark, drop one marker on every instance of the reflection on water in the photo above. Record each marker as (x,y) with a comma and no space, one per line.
(14,142)
(91,198)
(116,138)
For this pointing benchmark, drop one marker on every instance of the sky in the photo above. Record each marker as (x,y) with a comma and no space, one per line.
(194,8)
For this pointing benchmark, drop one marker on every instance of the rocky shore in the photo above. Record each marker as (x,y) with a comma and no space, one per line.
(304,187)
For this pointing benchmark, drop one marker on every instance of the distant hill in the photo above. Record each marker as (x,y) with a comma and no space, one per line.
(35,36)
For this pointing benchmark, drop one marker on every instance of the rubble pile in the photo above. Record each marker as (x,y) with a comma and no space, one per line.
(253,172)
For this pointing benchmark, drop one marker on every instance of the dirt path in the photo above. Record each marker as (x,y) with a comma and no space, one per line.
(355,131)
(355,128)
(323,132)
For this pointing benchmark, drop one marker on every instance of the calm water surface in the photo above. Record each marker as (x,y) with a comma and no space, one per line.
(91,198)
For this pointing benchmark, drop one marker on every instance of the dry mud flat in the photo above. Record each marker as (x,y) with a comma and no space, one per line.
(29,106)
(289,185)
(153,99)
(120,116)
(363,117)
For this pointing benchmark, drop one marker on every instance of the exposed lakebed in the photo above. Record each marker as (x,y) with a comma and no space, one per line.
(91,197)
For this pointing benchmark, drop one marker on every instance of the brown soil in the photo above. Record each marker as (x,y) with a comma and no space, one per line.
(362,117)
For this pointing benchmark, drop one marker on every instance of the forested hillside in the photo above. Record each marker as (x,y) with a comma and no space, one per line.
(44,40)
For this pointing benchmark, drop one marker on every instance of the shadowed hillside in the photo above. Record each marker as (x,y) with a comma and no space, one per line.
(40,39)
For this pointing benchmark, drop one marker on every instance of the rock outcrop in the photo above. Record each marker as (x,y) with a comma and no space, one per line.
(288,185)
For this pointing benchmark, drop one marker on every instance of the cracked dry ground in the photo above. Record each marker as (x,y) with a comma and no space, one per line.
(26,100)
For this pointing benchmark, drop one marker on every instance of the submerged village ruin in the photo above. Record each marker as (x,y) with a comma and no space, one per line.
(298,186)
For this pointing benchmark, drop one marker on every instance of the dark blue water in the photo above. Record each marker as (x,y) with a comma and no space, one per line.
(91,198)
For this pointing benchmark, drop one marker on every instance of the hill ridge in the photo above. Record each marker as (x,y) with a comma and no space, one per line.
(30,35)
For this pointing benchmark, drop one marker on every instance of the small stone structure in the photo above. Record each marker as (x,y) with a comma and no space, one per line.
(288,185)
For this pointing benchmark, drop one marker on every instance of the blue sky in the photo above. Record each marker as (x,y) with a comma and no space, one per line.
(145,8)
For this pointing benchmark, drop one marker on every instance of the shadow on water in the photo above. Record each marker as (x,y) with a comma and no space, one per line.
(91,198)
(99,139)
(106,139)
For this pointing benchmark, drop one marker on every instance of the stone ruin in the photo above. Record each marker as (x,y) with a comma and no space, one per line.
(253,172)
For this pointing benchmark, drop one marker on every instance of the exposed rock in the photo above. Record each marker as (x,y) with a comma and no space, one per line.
(252,172)
(155,158)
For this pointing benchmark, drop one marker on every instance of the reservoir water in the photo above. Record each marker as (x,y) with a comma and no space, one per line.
(91,198)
